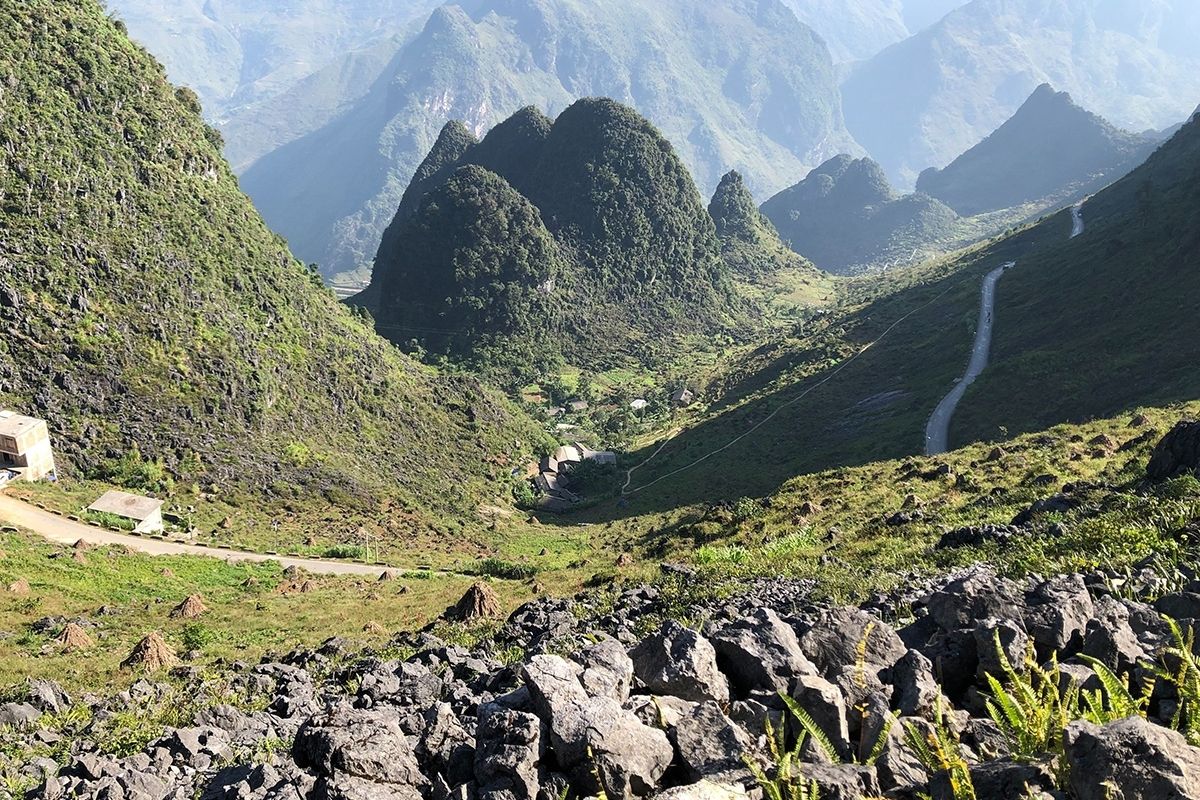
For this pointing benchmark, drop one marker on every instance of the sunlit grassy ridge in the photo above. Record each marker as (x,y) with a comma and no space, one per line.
(202,355)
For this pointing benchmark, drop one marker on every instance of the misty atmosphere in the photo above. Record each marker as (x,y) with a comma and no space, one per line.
(600,399)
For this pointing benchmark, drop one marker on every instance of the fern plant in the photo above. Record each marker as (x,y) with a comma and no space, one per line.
(1180,666)
(1115,699)
(786,782)
(1032,708)
(939,751)
(821,740)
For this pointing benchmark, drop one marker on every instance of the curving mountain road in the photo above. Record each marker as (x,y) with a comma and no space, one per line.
(937,432)
(64,531)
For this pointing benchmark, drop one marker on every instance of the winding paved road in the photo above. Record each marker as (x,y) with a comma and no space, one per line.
(937,432)
(59,529)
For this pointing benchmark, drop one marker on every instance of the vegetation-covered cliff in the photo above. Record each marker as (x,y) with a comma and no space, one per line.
(167,335)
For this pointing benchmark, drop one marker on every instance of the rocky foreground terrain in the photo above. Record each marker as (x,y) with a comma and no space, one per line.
(972,685)
(678,713)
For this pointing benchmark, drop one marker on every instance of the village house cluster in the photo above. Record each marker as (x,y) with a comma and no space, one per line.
(552,475)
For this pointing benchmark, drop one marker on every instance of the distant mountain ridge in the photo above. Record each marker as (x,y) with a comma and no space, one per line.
(845,216)
(733,84)
(235,53)
(924,101)
(1050,148)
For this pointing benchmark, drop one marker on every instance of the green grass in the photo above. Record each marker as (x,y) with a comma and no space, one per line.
(248,614)
(831,526)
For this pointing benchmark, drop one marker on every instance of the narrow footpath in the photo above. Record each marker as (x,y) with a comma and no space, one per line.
(64,531)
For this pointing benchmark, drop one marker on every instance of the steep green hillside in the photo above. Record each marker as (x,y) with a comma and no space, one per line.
(473,277)
(844,216)
(1093,325)
(924,101)
(166,334)
(1084,327)
(1049,151)
(750,244)
(640,262)
(732,84)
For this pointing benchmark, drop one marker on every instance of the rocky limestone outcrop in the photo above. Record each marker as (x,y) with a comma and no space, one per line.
(679,713)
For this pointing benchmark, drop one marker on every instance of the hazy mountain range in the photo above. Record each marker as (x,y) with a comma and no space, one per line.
(328,108)
(1051,148)
(924,101)
(732,84)
(858,29)
(237,52)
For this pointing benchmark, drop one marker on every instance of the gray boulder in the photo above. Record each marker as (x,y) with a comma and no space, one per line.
(365,744)
(1177,453)
(607,670)
(680,662)
(916,689)
(704,790)
(196,747)
(1142,760)
(553,684)
(18,715)
(836,637)
(824,703)
(842,781)
(1110,639)
(1014,643)
(761,651)
(709,743)
(977,595)
(1057,613)
(508,747)
(628,758)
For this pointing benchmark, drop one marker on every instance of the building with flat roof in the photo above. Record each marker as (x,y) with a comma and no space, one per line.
(144,512)
(25,449)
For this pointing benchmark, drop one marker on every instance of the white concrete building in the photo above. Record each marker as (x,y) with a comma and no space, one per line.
(25,449)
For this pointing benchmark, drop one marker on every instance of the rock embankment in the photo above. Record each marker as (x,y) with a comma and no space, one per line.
(597,706)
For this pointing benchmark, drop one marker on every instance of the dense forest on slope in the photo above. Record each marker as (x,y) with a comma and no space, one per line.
(732,84)
(167,335)
(1050,149)
(845,216)
(610,257)
(480,286)
(750,244)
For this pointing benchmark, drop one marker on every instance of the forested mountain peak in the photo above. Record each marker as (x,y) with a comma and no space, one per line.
(640,259)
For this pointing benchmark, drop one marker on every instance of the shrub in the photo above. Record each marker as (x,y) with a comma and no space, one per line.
(499,568)
(347,551)
(196,636)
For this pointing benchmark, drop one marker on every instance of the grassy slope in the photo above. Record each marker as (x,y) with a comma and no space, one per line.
(1091,326)
(251,608)
(130,254)
(828,526)
(832,527)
